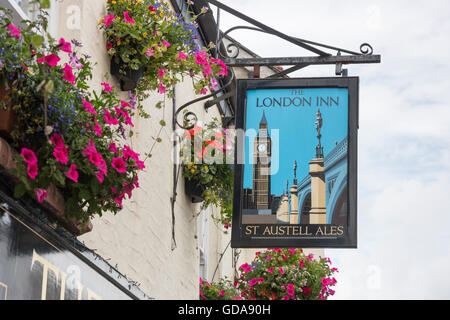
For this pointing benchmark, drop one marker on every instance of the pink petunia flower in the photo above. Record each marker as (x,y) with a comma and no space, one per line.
(161,73)
(108,19)
(98,129)
(88,106)
(110,119)
(51,59)
(96,158)
(125,104)
(14,32)
(181,56)
(68,75)
(107,87)
(150,52)
(100,176)
(127,17)
(72,173)
(166,44)
(119,165)
(281,270)
(65,46)
(32,170)
(41,194)
(28,155)
(112,147)
(161,88)
(60,156)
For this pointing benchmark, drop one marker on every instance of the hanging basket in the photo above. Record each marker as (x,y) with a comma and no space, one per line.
(193,190)
(7,117)
(129,78)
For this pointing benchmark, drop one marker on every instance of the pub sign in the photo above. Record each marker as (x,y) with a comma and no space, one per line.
(296,163)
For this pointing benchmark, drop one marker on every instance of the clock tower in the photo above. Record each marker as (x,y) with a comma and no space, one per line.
(262,152)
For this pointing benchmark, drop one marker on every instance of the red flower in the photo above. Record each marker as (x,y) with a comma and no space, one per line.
(68,75)
(28,155)
(65,46)
(60,156)
(127,17)
(14,32)
(108,45)
(41,194)
(108,19)
(306,290)
(51,59)
(107,87)
(119,165)
(72,173)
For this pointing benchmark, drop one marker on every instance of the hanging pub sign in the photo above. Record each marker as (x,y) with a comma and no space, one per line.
(296,163)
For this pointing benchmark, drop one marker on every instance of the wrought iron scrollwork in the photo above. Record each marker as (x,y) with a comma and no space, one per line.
(229,53)
(366,49)
(190,119)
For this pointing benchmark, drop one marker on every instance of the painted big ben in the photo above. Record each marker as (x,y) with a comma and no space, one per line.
(262,152)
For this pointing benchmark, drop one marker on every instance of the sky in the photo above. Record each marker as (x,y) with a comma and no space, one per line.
(404,137)
(292,129)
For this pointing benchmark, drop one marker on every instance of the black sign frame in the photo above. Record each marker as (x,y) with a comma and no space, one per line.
(244,237)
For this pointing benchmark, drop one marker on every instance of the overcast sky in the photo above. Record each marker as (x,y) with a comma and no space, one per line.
(404,137)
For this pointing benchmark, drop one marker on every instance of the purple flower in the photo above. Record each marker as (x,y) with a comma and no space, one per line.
(75,62)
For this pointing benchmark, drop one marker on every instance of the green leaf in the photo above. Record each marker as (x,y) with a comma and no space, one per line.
(84,194)
(45,4)
(19,190)
(49,86)
(59,177)
(95,186)
(162,123)
(37,40)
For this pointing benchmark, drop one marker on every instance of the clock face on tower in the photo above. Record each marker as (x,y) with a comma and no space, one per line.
(262,147)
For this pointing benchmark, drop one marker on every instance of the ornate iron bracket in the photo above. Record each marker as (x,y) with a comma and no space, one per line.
(189,117)
(365,54)
(230,57)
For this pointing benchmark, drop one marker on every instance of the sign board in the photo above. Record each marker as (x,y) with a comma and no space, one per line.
(34,265)
(296,163)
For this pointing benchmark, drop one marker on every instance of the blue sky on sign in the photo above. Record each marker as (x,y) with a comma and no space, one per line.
(404,136)
(296,138)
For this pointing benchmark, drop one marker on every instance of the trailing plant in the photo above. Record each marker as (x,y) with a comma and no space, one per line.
(207,156)
(67,135)
(149,35)
(222,290)
(280,274)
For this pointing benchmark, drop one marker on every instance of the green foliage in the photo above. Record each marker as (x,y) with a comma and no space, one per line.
(278,274)
(71,130)
(207,155)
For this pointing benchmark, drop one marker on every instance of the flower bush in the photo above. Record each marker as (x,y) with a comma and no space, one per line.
(222,290)
(67,135)
(279,274)
(148,35)
(207,158)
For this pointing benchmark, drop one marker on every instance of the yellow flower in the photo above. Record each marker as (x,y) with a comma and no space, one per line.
(144,34)
(205,167)
(192,170)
